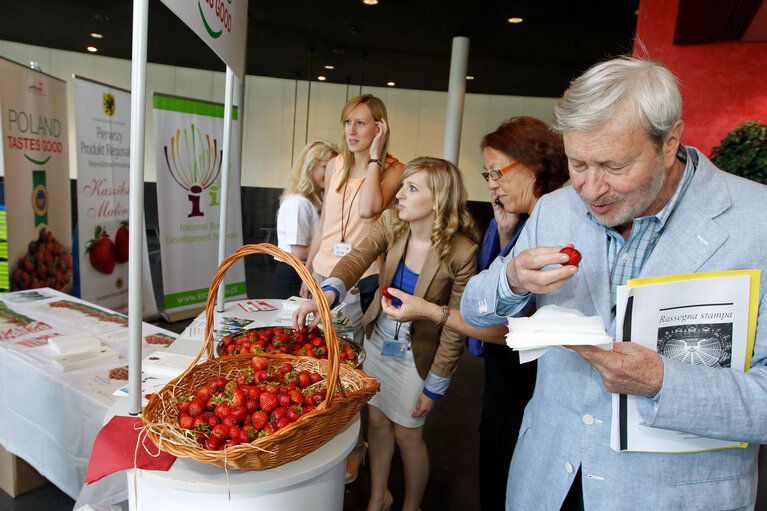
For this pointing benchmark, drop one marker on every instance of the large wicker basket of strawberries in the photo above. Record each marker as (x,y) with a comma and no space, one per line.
(251,413)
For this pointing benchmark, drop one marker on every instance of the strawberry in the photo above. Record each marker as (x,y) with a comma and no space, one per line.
(315,377)
(239,413)
(234,433)
(268,401)
(251,405)
(121,243)
(574,255)
(223,410)
(285,399)
(385,292)
(221,432)
(217,384)
(294,412)
(186,422)
(259,420)
(196,407)
(101,251)
(213,444)
(238,399)
(260,363)
(281,423)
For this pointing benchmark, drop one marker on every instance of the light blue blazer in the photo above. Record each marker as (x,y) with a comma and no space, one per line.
(720,224)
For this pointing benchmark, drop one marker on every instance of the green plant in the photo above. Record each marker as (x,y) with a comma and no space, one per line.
(743,151)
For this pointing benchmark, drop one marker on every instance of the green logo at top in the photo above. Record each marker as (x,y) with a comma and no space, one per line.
(219,10)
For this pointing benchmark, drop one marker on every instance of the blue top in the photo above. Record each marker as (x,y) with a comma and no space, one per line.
(491,248)
(404,280)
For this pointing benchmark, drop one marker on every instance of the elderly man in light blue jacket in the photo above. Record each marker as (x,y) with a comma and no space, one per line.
(641,204)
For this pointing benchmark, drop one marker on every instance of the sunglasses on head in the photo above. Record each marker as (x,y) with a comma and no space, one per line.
(495,175)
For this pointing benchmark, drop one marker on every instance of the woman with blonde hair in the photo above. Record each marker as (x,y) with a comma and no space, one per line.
(430,244)
(299,213)
(360,183)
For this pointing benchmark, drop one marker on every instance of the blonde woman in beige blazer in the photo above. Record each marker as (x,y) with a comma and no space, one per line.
(429,245)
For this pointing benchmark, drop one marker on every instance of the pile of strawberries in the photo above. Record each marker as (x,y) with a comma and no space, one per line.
(46,264)
(301,342)
(257,402)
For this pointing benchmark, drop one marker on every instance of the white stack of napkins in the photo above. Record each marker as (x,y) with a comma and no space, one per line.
(555,326)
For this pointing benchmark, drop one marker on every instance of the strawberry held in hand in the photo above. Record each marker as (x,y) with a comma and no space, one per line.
(574,255)
(101,251)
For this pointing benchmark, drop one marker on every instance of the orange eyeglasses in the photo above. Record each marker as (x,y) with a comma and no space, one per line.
(495,175)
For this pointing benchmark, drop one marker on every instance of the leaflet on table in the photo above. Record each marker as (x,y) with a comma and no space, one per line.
(149,385)
(705,319)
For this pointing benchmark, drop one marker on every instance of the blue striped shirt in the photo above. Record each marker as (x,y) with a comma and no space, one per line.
(625,258)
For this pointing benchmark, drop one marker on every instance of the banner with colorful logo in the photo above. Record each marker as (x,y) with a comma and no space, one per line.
(188,151)
(102,126)
(35,214)
(221,24)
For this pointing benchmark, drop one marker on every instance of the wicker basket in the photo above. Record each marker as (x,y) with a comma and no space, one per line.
(299,438)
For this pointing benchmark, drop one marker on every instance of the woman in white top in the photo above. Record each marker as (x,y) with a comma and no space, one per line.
(299,214)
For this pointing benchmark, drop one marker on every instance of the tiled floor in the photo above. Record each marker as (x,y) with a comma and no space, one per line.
(450,432)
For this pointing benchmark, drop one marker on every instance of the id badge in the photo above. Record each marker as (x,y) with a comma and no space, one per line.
(396,349)
(340,248)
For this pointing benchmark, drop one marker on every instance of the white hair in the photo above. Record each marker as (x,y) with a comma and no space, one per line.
(647,87)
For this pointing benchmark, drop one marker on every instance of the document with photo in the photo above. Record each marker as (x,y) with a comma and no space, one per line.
(704,319)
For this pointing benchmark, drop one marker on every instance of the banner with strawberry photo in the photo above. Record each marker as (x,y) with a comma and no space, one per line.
(102,126)
(35,219)
(188,152)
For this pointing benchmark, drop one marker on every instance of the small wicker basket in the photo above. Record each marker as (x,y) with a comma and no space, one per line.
(310,431)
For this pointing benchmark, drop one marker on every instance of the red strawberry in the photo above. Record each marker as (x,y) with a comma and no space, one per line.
(223,410)
(196,407)
(251,405)
(268,401)
(385,292)
(186,422)
(239,413)
(281,423)
(285,399)
(221,432)
(294,412)
(121,243)
(217,384)
(315,377)
(101,251)
(213,444)
(238,399)
(259,420)
(260,363)
(574,255)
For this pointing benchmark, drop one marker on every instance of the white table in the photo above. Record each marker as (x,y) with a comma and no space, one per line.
(48,417)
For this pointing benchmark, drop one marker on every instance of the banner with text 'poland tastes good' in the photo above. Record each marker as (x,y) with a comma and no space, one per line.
(102,127)
(35,219)
(188,150)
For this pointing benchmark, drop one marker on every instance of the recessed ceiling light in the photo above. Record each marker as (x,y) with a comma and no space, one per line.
(370,2)
(330,67)
(515,20)
(469,77)
(92,49)
(391,84)
(96,35)
(321,78)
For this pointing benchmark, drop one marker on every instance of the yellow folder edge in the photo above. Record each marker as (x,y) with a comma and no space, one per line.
(753,305)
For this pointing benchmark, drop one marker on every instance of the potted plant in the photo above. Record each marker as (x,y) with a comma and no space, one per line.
(743,151)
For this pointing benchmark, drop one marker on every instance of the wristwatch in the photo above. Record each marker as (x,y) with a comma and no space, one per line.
(373,160)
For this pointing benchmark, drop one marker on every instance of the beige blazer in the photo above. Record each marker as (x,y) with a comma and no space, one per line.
(435,348)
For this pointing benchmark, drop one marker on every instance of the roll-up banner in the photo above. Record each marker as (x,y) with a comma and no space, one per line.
(188,150)
(35,219)
(102,127)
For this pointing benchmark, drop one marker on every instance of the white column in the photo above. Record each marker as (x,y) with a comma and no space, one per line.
(136,214)
(228,100)
(456,91)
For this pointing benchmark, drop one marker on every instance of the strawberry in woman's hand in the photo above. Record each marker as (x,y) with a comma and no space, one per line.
(574,255)
(386,293)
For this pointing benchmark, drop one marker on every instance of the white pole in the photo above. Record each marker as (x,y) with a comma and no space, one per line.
(456,91)
(224,192)
(136,215)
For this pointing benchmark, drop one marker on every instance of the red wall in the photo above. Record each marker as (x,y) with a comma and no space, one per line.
(722,84)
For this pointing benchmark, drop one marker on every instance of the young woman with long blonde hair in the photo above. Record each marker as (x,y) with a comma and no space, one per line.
(430,247)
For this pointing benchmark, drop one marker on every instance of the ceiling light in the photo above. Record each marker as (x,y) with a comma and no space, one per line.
(391,84)
(515,20)
(321,78)
(330,67)
(96,35)
(469,77)
(92,49)
(370,2)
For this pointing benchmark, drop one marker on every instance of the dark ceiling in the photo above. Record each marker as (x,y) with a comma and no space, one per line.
(404,41)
